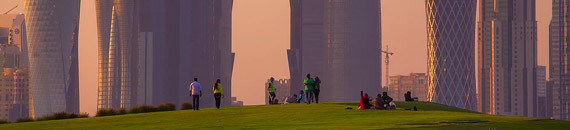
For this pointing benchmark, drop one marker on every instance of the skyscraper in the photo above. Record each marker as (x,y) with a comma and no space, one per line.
(451,52)
(507,57)
(52,29)
(559,66)
(116,47)
(541,93)
(167,40)
(339,41)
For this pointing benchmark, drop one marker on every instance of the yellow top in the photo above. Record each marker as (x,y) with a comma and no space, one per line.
(218,89)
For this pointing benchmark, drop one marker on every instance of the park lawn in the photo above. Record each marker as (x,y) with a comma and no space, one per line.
(300,116)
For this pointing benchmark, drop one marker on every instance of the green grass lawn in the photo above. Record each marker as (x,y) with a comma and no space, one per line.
(300,116)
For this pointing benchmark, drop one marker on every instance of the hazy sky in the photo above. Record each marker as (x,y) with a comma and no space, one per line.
(261,38)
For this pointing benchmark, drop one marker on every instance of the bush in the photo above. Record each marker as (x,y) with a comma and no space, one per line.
(4,121)
(166,107)
(121,111)
(186,106)
(57,116)
(142,109)
(83,115)
(25,119)
(106,112)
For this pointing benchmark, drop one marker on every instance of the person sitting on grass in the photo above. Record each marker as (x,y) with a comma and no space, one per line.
(408,96)
(301,97)
(364,102)
(386,100)
(378,102)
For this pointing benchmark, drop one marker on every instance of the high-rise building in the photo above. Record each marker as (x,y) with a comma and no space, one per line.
(14,78)
(559,66)
(451,52)
(52,29)
(541,92)
(416,83)
(338,41)
(117,39)
(507,57)
(171,42)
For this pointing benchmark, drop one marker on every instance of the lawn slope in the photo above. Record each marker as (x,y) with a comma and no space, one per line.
(301,116)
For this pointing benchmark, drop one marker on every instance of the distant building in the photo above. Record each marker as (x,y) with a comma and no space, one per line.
(451,52)
(559,66)
(541,93)
(52,29)
(507,48)
(339,41)
(282,90)
(235,102)
(416,83)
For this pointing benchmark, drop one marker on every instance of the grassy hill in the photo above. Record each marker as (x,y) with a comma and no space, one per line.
(301,116)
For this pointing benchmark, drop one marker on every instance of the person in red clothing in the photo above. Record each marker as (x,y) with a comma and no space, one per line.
(365,102)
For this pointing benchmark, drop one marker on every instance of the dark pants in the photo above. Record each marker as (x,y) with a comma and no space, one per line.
(309,94)
(316,91)
(217,96)
(196,102)
(271,97)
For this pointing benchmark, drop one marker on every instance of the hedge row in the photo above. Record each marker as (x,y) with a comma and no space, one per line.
(137,109)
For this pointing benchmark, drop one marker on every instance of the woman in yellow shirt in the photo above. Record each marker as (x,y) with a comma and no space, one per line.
(218,92)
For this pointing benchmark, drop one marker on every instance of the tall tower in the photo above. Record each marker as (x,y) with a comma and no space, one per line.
(559,57)
(451,52)
(52,29)
(507,57)
(338,41)
(115,26)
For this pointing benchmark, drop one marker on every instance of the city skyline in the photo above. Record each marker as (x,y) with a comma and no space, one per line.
(395,61)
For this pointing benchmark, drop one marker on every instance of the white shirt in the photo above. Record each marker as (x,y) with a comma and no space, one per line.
(195,88)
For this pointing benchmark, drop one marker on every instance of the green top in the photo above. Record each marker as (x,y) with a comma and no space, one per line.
(318,84)
(309,83)
(271,87)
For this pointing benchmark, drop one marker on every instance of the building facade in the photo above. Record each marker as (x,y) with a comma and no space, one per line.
(451,52)
(559,66)
(541,93)
(52,29)
(167,40)
(507,57)
(339,41)
(416,83)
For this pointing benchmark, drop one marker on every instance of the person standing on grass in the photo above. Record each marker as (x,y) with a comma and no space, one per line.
(317,88)
(196,93)
(309,87)
(218,92)
(271,89)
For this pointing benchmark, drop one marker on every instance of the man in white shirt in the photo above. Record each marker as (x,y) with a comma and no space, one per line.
(196,92)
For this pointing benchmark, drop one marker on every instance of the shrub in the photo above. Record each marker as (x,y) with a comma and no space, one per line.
(106,112)
(166,107)
(83,115)
(24,119)
(142,109)
(4,121)
(186,106)
(121,111)
(56,116)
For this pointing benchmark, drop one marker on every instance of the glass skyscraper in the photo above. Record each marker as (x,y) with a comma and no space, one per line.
(559,57)
(451,52)
(52,29)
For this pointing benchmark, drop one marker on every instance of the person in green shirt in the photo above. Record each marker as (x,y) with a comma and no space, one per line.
(317,89)
(271,89)
(309,87)
(218,92)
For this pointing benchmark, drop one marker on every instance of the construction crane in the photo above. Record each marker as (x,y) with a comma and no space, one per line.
(11,9)
(387,61)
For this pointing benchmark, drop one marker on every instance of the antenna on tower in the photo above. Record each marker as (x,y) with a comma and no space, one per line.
(11,9)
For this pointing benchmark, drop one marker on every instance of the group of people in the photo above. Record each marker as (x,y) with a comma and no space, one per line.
(312,90)
(196,92)
(382,101)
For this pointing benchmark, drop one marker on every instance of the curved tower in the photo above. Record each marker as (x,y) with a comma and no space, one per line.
(451,52)
(52,30)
